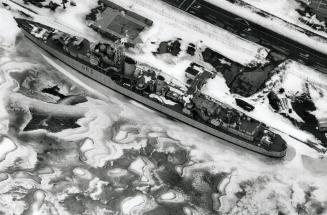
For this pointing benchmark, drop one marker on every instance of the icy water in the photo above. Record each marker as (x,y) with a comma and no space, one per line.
(93,151)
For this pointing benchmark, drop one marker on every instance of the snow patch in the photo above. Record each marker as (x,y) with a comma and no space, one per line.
(6,146)
(275,24)
(131,203)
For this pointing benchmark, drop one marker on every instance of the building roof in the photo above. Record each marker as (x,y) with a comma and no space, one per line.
(120,24)
(192,71)
(249,127)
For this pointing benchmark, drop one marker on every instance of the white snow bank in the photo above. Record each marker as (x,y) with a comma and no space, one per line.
(286,9)
(137,166)
(129,205)
(6,146)
(275,24)
(172,197)
(8,31)
(218,89)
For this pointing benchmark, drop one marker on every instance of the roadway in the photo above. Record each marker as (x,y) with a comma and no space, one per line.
(253,32)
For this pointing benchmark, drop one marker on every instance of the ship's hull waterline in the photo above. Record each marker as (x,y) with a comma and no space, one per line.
(108,82)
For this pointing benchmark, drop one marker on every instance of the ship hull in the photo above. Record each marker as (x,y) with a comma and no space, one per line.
(108,82)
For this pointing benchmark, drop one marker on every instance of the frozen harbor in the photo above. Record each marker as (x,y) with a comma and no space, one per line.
(113,156)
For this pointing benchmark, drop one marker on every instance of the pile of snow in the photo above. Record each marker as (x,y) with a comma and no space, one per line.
(137,166)
(319,97)
(276,24)
(298,79)
(218,89)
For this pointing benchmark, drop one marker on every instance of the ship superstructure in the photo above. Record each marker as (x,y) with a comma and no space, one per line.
(109,65)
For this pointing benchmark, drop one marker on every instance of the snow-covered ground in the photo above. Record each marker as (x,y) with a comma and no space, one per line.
(298,79)
(170,23)
(276,24)
(292,78)
(287,10)
(284,9)
(7,39)
(74,21)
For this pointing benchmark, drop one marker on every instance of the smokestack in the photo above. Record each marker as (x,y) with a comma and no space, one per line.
(160,83)
(129,66)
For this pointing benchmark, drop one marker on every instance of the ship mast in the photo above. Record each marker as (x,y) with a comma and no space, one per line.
(119,58)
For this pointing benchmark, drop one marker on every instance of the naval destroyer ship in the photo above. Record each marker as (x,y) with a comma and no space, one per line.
(108,64)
